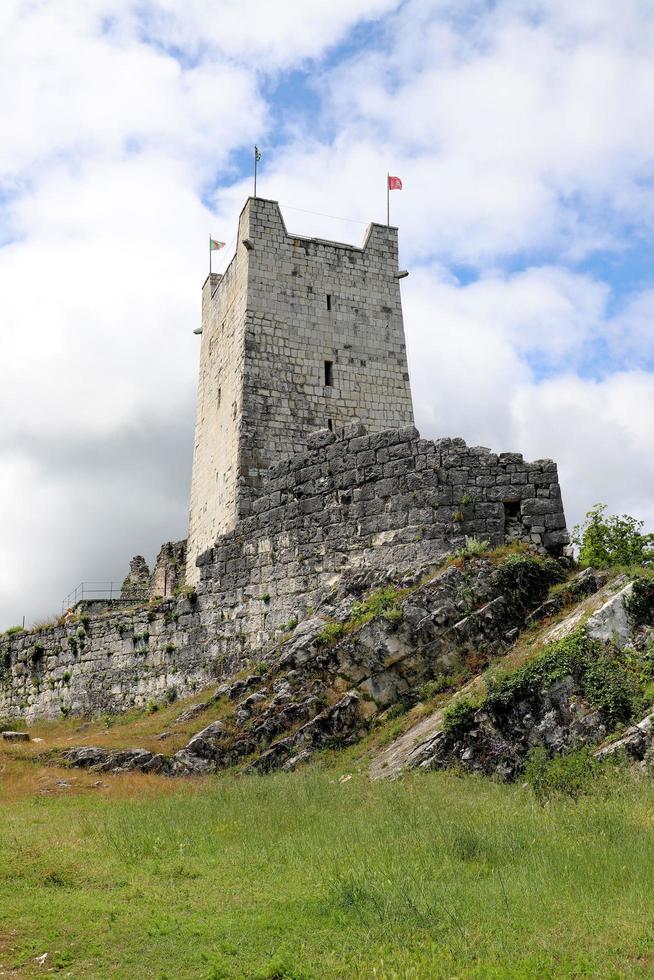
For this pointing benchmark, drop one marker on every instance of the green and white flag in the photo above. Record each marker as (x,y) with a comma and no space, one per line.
(214,245)
(257,153)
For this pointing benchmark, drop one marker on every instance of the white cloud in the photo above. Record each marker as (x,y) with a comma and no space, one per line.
(602,436)
(70,91)
(261,33)
(519,128)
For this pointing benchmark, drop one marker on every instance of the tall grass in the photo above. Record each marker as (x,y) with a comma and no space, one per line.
(307,876)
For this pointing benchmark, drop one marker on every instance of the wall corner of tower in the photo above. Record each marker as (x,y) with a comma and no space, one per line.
(381,241)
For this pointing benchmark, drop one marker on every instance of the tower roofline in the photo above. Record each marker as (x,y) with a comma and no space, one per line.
(323,241)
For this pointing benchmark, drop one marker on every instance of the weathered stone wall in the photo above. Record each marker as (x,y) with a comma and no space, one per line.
(214,482)
(286,306)
(356,501)
(311,302)
(169,571)
(107,663)
(389,503)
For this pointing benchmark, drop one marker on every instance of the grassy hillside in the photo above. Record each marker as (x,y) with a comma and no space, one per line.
(323,874)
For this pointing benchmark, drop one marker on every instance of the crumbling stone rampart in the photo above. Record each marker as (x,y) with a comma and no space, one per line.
(388,504)
(354,501)
(107,663)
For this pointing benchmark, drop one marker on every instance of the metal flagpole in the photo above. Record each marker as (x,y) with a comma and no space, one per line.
(209,256)
(388,201)
(256,154)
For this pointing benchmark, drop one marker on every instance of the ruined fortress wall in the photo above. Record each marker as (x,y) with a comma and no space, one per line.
(104,663)
(353,501)
(390,501)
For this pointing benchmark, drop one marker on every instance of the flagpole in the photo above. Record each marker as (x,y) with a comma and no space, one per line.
(388,202)
(255,171)
(209,256)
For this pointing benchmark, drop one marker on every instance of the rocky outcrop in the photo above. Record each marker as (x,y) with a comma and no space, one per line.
(573,694)
(9,736)
(556,718)
(613,623)
(371,647)
(635,743)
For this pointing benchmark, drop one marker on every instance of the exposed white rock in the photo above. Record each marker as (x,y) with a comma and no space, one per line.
(612,623)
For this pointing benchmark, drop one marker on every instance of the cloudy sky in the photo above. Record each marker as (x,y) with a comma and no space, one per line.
(524,134)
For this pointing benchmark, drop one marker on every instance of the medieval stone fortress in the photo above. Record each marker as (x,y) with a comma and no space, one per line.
(298,335)
(307,472)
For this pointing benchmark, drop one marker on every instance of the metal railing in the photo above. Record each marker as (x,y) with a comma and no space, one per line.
(100,591)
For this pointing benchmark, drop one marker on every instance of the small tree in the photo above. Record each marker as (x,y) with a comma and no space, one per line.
(612,540)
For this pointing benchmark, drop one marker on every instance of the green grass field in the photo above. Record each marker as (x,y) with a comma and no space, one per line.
(317,875)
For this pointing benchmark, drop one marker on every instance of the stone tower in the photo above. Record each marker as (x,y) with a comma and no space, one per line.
(299,334)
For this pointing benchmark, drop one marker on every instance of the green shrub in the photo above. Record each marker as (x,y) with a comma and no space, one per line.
(610,688)
(525,579)
(66,677)
(437,685)
(640,603)
(330,633)
(458,717)
(151,707)
(395,615)
(570,774)
(614,540)
(383,602)
(13,630)
(602,677)
(473,546)
(640,663)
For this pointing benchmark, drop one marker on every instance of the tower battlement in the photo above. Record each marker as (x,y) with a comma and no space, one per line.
(299,334)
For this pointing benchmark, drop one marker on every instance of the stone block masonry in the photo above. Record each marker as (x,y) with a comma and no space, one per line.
(354,503)
(90,665)
(299,335)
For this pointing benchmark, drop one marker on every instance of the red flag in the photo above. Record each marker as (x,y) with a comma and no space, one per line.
(394,183)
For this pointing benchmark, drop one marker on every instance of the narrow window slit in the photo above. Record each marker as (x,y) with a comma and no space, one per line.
(329,374)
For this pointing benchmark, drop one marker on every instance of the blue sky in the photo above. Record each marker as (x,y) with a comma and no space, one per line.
(522,130)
